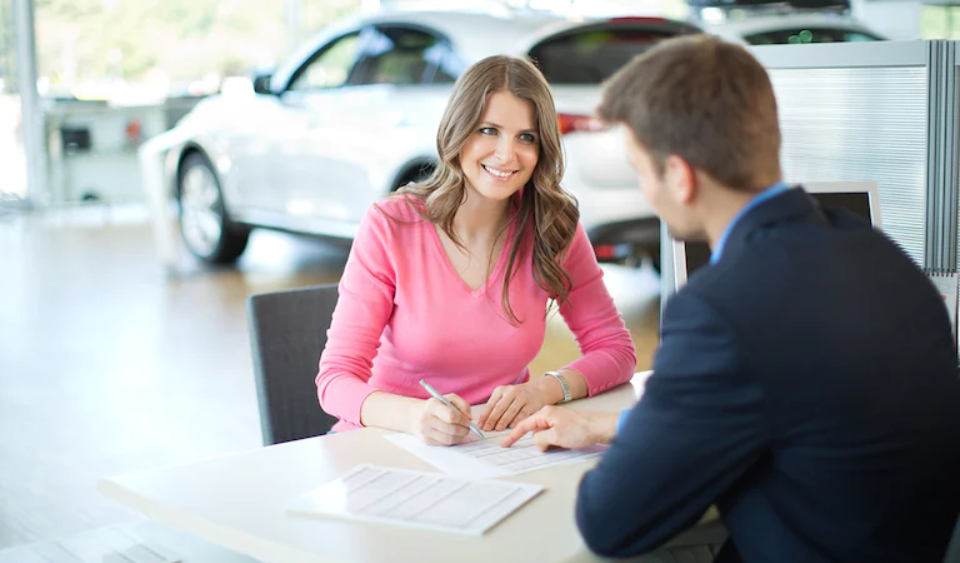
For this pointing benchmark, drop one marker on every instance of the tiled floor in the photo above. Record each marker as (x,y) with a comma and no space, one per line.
(110,363)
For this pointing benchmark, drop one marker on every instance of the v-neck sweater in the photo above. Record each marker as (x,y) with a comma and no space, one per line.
(404,314)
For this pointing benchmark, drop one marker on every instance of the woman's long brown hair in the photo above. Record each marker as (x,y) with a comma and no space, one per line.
(552,211)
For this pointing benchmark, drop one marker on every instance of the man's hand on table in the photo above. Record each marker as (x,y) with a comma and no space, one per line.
(565,428)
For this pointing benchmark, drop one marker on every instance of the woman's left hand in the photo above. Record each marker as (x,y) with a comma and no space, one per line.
(510,404)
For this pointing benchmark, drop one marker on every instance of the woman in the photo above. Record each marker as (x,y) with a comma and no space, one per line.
(450,279)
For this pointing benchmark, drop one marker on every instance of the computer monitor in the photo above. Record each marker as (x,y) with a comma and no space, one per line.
(860,198)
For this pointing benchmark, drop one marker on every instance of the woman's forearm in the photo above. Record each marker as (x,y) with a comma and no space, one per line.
(393,412)
(551,389)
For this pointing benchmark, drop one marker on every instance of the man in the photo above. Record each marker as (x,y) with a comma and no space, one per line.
(806,382)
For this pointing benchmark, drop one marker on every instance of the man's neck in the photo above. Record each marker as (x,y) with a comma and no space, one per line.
(722,204)
(723,210)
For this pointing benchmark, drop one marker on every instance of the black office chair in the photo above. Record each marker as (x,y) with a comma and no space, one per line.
(288,331)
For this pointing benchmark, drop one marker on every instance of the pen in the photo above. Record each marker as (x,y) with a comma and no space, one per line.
(433,393)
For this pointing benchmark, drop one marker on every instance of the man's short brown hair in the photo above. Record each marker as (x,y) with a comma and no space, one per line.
(708,101)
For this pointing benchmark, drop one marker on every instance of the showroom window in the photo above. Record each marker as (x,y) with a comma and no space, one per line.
(939,22)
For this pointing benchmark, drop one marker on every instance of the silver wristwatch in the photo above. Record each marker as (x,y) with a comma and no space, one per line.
(567,397)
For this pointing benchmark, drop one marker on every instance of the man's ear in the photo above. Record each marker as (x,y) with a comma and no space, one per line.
(681,178)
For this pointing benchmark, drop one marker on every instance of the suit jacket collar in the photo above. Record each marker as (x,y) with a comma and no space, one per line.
(791,205)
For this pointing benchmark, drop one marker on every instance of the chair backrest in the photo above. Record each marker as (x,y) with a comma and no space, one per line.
(288,331)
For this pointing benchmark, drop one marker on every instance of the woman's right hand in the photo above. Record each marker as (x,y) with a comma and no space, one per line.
(437,424)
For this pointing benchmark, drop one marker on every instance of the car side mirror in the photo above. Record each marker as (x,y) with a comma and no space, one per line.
(261,84)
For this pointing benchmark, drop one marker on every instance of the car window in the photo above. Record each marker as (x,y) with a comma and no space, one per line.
(799,36)
(590,56)
(331,67)
(403,56)
(445,65)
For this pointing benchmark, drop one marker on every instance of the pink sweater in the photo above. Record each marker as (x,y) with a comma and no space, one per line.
(404,314)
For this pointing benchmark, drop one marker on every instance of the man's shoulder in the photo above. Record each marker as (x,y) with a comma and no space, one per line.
(781,247)
(809,271)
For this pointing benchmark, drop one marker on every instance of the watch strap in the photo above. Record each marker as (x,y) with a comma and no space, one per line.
(564,386)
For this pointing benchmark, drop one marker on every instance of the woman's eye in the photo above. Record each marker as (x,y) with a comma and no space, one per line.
(488,131)
(528,138)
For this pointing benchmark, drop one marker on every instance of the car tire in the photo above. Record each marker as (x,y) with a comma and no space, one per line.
(204,222)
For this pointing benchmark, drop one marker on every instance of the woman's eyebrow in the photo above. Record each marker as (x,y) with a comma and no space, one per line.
(492,124)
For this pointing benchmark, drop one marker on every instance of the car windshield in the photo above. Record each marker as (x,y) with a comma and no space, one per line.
(799,36)
(589,56)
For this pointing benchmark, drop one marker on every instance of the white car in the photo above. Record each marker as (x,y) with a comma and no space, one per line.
(354,115)
(793,29)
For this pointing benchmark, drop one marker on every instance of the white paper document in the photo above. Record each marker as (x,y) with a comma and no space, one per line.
(414,498)
(485,458)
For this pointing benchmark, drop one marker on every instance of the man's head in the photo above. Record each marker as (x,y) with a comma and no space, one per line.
(701,127)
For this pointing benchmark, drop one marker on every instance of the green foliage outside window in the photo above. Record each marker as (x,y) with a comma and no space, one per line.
(940,22)
(179,41)
(8,54)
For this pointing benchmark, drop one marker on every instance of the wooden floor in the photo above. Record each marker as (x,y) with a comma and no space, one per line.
(110,363)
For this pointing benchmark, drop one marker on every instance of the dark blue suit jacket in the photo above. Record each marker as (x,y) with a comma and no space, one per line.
(807,385)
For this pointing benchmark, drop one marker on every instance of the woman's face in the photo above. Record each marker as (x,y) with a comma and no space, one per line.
(501,155)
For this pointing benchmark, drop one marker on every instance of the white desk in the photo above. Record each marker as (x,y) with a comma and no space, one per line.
(239,501)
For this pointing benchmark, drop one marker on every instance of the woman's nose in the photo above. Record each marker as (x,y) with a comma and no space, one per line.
(505,150)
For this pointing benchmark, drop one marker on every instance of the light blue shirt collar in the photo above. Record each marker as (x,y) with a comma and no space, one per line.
(763,196)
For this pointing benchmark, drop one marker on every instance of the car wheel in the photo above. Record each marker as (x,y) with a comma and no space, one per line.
(204,223)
